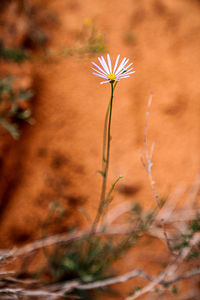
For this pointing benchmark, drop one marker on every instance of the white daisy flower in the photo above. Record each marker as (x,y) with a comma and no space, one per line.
(112,74)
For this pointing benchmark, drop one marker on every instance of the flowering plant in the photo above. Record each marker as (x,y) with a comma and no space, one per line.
(112,76)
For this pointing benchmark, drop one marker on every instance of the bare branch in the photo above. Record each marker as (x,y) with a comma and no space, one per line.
(5,273)
(58,290)
(168,241)
(147,158)
(187,275)
(115,280)
(117,211)
(169,271)
(61,239)
(23,292)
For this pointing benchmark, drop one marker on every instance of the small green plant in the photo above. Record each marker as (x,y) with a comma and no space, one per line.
(15,55)
(175,290)
(90,258)
(182,240)
(89,42)
(92,38)
(195,224)
(12,106)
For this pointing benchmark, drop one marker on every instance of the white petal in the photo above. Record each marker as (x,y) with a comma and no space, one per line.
(126,62)
(124,76)
(127,73)
(116,62)
(121,77)
(104,81)
(102,76)
(128,66)
(98,71)
(102,64)
(109,63)
(120,66)
(122,72)
(98,68)
(105,65)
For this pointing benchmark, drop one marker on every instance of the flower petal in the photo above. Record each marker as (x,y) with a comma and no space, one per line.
(123,72)
(116,63)
(98,68)
(128,66)
(109,63)
(121,77)
(102,76)
(104,64)
(120,66)
(98,71)
(104,81)
(124,64)
(127,73)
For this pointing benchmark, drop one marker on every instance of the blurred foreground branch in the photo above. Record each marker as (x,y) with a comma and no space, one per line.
(59,290)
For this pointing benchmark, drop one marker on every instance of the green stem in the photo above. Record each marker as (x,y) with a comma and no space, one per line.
(105,159)
(112,189)
(106,129)
(105,139)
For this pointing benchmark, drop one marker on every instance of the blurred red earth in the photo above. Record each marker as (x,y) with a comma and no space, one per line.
(56,159)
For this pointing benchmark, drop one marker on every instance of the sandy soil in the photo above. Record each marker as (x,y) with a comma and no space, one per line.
(56,159)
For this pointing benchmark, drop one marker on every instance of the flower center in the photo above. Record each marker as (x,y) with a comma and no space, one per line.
(111,76)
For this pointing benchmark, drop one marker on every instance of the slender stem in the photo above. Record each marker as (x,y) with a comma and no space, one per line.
(105,160)
(112,188)
(108,198)
(109,136)
(106,128)
(105,134)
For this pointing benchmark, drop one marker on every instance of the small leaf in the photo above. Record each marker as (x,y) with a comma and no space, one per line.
(11,128)
(85,214)
(174,290)
(101,172)
(25,95)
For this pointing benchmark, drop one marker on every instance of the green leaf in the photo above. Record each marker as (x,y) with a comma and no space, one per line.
(16,55)
(25,95)
(11,128)
(195,226)
(85,214)
(174,290)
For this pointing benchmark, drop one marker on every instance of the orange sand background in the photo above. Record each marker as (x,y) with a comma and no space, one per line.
(57,157)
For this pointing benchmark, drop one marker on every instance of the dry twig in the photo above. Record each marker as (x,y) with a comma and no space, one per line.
(170,271)
(59,290)
(147,158)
